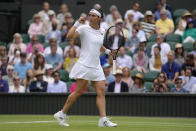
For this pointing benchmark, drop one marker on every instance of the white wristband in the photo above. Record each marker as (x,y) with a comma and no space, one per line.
(107,51)
(76,24)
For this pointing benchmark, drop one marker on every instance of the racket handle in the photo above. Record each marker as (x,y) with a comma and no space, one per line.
(114,66)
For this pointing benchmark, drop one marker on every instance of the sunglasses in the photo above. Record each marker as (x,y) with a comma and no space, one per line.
(162,76)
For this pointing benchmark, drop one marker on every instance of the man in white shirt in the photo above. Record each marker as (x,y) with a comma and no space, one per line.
(57,86)
(44,13)
(124,60)
(72,45)
(47,50)
(137,15)
(165,48)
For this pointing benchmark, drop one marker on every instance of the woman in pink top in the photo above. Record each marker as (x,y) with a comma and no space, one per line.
(34,41)
(36,28)
(17,43)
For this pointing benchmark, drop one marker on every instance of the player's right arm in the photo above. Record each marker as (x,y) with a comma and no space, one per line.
(72,34)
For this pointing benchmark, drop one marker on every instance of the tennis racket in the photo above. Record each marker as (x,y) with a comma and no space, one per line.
(113,40)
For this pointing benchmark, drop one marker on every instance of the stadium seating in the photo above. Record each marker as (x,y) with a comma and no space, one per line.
(41,38)
(63,45)
(29,22)
(25,38)
(179,12)
(64,75)
(172,45)
(129,53)
(173,38)
(2,43)
(153,38)
(148,86)
(46,45)
(188,46)
(150,44)
(134,72)
(150,76)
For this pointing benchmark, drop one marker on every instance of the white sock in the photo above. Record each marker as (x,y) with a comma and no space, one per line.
(63,114)
(103,118)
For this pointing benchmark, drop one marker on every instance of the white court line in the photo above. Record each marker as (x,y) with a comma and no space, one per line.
(155,124)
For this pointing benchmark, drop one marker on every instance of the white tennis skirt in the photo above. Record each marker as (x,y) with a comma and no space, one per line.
(80,71)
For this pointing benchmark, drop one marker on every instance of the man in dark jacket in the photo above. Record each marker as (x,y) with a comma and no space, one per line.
(39,85)
(118,85)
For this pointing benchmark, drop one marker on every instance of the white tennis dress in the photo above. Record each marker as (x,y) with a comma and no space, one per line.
(88,66)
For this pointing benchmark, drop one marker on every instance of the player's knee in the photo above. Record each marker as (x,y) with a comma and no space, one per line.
(101,92)
(79,92)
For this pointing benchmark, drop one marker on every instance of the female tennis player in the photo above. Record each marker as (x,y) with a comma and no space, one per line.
(88,66)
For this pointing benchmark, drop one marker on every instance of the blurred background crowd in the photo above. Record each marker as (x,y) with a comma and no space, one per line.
(159,53)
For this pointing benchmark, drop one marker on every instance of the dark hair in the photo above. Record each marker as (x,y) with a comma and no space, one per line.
(37,64)
(190,56)
(188,68)
(55,72)
(23,54)
(100,11)
(158,47)
(177,79)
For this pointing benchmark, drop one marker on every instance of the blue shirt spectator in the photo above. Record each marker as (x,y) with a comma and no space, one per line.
(22,67)
(158,15)
(4,87)
(175,90)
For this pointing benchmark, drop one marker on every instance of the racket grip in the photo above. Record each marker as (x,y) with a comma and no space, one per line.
(114,66)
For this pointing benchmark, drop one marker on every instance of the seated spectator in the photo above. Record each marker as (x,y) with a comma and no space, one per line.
(44,13)
(110,17)
(115,16)
(66,26)
(126,77)
(190,32)
(129,22)
(157,60)
(4,87)
(194,16)
(22,67)
(17,43)
(48,74)
(53,33)
(68,17)
(36,28)
(166,5)
(9,76)
(164,25)
(39,63)
(71,45)
(140,33)
(188,80)
(47,50)
(194,51)
(2,52)
(137,14)
(133,42)
(39,85)
(165,48)
(54,58)
(28,79)
(189,62)
(47,24)
(138,84)
(178,87)
(140,61)
(58,86)
(16,88)
(158,12)
(182,24)
(119,22)
(31,56)
(63,11)
(124,60)
(70,60)
(160,83)
(4,64)
(34,41)
(16,57)
(108,75)
(118,85)
(179,54)
(143,45)
(171,68)
(148,25)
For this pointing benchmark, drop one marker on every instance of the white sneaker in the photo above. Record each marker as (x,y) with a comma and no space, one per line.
(105,122)
(61,118)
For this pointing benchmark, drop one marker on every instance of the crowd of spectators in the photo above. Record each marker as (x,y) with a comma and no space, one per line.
(158,45)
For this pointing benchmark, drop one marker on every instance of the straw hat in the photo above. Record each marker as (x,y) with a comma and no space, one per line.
(118,72)
(178,45)
(149,13)
(139,76)
(187,14)
(38,72)
(119,21)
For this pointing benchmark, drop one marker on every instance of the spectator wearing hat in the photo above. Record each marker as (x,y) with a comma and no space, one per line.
(108,75)
(36,28)
(190,32)
(118,85)
(17,43)
(39,85)
(10,74)
(22,67)
(189,62)
(16,88)
(165,48)
(137,14)
(133,42)
(124,60)
(34,41)
(119,22)
(157,60)
(4,64)
(4,87)
(164,25)
(171,68)
(140,33)
(138,84)
(127,76)
(158,12)
(54,58)
(178,87)
(44,13)
(53,41)
(140,61)
(179,54)
(58,86)
(48,74)
(148,25)
(160,83)
(183,23)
